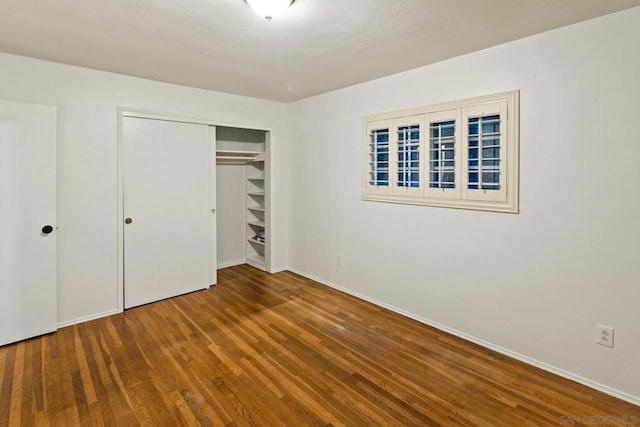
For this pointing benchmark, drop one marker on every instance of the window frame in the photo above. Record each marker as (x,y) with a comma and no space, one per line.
(504,199)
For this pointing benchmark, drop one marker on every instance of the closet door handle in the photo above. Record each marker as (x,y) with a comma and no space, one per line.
(47,229)
(128,221)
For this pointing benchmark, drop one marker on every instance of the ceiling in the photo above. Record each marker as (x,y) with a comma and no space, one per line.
(315,47)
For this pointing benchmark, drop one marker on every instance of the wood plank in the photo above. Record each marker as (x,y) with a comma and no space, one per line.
(262,349)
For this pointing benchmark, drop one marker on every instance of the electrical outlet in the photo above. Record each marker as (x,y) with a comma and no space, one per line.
(605,335)
(339,259)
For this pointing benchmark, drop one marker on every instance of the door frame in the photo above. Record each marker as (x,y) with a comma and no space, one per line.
(154,115)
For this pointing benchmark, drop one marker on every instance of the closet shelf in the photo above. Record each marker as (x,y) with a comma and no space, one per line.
(256,208)
(256,193)
(256,223)
(259,158)
(235,157)
(237,153)
(257,242)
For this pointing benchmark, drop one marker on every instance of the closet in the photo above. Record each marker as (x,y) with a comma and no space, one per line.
(194,197)
(242,177)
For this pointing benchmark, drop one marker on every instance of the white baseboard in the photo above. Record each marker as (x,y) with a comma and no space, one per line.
(231,263)
(279,269)
(521,357)
(87,318)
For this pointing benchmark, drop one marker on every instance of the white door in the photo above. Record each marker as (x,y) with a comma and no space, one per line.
(169,230)
(28,288)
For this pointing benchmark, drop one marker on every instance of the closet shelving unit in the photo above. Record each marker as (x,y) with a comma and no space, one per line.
(256,210)
(247,148)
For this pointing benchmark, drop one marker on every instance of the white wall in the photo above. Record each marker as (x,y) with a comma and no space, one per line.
(536,283)
(230,203)
(87,102)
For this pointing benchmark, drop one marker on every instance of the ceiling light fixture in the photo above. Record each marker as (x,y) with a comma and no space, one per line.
(269,9)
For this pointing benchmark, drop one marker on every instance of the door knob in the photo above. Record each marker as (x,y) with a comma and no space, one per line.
(128,221)
(47,229)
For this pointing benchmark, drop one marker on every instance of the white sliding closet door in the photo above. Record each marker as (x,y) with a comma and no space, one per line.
(169,196)
(28,286)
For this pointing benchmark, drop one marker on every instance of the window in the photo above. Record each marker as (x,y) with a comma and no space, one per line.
(461,154)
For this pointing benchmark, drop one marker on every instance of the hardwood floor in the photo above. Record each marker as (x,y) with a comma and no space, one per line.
(280,350)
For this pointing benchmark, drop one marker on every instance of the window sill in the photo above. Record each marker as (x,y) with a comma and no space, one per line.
(456,204)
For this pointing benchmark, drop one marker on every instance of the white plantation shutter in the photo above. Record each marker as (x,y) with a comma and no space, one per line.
(461,154)
(378,159)
(486,150)
(444,152)
(407,152)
